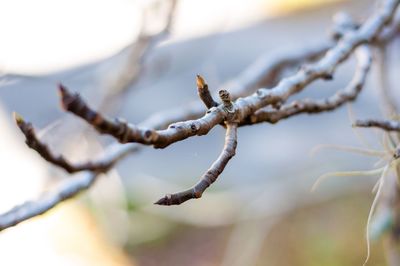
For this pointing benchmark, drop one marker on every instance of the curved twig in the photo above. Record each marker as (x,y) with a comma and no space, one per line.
(310,106)
(212,173)
(34,208)
(34,143)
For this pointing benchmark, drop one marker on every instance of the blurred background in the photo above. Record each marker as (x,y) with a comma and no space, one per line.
(129,59)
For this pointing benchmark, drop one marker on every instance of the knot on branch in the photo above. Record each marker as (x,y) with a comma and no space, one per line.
(342,23)
(228,106)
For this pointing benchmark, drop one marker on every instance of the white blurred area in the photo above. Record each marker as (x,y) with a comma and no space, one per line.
(45,36)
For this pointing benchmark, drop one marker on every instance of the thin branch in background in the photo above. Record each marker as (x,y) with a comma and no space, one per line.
(30,209)
(136,53)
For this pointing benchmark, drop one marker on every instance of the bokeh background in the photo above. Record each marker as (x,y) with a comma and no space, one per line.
(260,212)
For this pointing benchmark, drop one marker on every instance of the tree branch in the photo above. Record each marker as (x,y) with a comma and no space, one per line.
(204,93)
(34,143)
(387,125)
(208,177)
(310,106)
(30,209)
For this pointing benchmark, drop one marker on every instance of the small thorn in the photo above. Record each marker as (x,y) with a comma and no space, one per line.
(164,200)
(161,201)
(62,89)
(200,82)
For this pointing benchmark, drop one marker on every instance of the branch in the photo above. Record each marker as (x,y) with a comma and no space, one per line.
(37,207)
(310,106)
(387,125)
(130,133)
(208,177)
(204,93)
(34,143)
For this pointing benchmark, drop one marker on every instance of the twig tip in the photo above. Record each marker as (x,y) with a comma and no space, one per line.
(201,83)
(18,118)
(164,201)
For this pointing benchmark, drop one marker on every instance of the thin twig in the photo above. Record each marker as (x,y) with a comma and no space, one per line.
(387,125)
(204,93)
(208,177)
(311,106)
(29,209)
(34,143)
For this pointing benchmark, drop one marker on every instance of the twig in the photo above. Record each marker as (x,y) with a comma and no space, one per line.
(387,125)
(208,177)
(30,209)
(34,143)
(130,133)
(310,106)
(204,93)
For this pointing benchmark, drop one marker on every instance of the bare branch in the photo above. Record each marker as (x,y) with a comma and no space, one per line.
(34,143)
(311,106)
(130,133)
(208,177)
(34,208)
(204,93)
(387,125)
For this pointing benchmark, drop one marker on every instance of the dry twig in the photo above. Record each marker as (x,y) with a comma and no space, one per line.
(311,106)
(387,125)
(208,177)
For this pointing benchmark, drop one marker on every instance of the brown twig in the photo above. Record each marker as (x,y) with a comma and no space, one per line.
(204,93)
(212,173)
(129,133)
(388,125)
(45,152)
